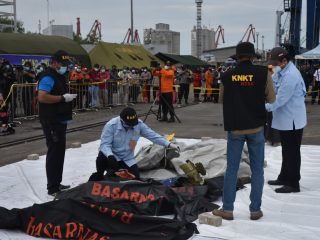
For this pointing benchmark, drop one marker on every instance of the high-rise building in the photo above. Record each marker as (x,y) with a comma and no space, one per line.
(198,29)
(161,39)
(207,40)
(59,30)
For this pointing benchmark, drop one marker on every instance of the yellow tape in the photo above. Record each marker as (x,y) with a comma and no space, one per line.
(5,101)
(106,81)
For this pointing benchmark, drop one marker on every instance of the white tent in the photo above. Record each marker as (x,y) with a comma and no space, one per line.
(310,55)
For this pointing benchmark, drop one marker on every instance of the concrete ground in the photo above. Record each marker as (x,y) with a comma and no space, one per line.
(201,120)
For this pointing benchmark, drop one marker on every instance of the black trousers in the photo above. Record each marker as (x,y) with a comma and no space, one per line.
(316,92)
(196,94)
(104,164)
(27,97)
(184,91)
(134,92)
(55,133)
(291,157)
(166,100)
(110,92)
(87,96)
(272,135)
(216,93)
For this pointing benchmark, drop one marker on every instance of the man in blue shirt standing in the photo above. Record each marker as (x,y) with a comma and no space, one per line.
(118,141)
(289,117)
(55,109)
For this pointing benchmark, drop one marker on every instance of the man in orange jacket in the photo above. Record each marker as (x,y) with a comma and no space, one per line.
(166,92)
(76,80)
(209,82)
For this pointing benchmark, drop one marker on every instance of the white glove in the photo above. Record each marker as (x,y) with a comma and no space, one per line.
(174,146)
(268,107)
(69,97)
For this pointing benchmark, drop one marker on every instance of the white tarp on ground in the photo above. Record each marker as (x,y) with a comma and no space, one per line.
(310,55)
(287,216)
(211,153)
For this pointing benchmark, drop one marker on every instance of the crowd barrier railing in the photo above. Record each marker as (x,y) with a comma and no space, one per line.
(22,100)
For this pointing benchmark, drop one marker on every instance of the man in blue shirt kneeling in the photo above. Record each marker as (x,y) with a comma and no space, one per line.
(118,141)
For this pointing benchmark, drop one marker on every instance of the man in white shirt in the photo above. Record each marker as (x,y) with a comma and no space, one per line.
(316,86)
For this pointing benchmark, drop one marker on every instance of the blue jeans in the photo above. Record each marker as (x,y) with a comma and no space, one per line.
(235,144)
(94,92)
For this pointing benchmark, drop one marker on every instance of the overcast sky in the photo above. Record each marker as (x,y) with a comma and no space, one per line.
(234,15)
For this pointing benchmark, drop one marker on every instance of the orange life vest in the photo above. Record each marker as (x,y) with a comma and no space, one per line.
(167,79)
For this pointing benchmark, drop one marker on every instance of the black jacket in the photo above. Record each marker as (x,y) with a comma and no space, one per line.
(244,97)
(56,112)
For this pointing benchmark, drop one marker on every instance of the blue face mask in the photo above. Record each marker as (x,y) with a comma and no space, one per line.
(62,70)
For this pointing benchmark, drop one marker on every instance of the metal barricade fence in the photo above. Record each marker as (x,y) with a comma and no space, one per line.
(83,98)
(22,100)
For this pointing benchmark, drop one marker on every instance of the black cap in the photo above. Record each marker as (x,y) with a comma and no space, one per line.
(129,116)
(62,56)
(277,54)
(245,49)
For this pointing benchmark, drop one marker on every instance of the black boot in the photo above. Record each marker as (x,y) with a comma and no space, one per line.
(287,189)
(97,176)
(171,120)
(64,187)
(163,119)
(275,182)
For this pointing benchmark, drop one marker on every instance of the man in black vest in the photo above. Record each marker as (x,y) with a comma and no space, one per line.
(244,91)
(55,110)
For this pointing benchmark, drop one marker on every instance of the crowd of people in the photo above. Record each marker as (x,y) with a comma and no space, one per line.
(102,87)
(311,77)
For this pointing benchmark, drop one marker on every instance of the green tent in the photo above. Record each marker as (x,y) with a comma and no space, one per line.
(121,55)
(34,44)
(187,60)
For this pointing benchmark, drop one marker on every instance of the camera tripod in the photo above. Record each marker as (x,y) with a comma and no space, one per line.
(158,112)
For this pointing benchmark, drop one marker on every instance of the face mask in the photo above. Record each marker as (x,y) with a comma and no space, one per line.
(78,70)
(276,69)
(96,69)
(133,71)
(7,66)
(125,125)
(26,68)
(103,70)
(166,67)
(40,69)
(62,70)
